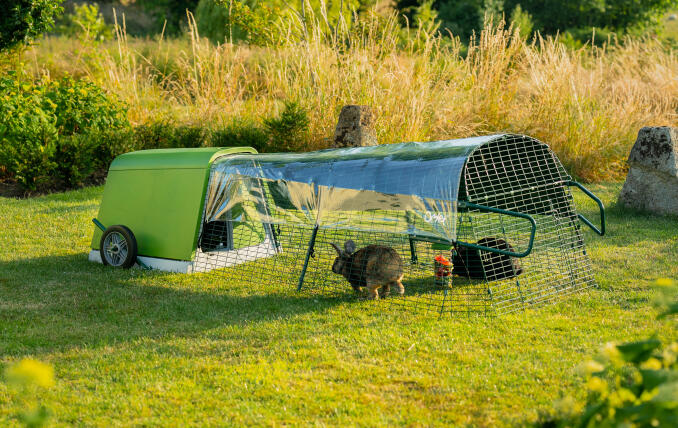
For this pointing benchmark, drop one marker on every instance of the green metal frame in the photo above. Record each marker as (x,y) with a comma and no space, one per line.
(309,254)
(464,205)
(586,221)
(412,238)
(99,225)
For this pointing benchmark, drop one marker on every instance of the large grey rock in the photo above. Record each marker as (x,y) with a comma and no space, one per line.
(355,127)
(652,182)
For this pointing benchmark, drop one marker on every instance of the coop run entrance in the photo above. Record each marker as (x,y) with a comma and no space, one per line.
(479,225)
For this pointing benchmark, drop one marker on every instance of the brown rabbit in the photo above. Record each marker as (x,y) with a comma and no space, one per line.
(371,267)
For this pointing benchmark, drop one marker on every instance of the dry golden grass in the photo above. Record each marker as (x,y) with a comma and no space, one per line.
(587,104)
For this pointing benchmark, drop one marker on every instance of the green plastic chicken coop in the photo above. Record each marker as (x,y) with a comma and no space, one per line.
(478,225)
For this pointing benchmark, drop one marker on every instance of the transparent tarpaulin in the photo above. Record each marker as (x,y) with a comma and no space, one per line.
(480,225)
(409,188)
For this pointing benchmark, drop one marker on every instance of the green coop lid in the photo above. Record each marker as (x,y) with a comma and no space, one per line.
(159,195)
(184,158)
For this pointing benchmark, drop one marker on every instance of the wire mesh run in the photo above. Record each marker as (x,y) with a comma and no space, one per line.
(344,258)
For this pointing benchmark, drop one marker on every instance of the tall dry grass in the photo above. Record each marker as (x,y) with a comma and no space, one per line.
(588,104)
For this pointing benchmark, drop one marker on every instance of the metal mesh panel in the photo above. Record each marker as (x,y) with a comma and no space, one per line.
(520,174)
(511,173)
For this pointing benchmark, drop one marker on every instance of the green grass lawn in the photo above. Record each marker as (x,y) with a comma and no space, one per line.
(149,348)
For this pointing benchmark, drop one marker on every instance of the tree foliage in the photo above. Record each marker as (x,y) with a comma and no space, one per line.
(551,16)
(86,23)
(232,20)
(257,22)
(169,14)
(463,17)
(24,20)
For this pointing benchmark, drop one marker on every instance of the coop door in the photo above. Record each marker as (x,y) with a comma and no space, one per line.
(233,233)
(237,227)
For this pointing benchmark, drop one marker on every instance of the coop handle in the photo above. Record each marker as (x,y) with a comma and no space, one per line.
(586,221)
(99,224)
(528,217)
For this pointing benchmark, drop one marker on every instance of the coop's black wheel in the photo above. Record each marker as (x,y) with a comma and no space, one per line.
(118,247)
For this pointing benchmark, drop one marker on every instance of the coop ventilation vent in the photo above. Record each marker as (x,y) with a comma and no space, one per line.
(479,225)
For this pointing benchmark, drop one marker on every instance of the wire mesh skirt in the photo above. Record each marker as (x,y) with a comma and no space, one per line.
(437,279)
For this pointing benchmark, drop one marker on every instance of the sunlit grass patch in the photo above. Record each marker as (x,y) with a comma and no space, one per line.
(136,347)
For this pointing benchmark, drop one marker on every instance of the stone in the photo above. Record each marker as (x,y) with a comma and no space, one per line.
(355,127)
(652,182)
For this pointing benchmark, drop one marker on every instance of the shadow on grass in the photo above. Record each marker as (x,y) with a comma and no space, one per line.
(55,303)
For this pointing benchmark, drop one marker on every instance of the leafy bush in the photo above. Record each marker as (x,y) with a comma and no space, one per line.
(461,18)
(240,133)
(551,16)
(164,135)
(38,121)
(170,15)
(632,384)
(81,106)
(74,157)
(523,21)
(86,23)
(578,37)
(224,20)
(110,144)
(212,19)
(27,132)
(289,131)
(24,20)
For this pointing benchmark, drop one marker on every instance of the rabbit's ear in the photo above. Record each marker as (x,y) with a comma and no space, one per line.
(349,246)
(336,248)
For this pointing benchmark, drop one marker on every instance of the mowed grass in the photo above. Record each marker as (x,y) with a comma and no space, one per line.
(149,348)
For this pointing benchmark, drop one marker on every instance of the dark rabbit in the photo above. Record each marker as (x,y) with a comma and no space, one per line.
(477,264)
(371,267)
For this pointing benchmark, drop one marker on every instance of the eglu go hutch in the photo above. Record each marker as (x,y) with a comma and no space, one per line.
(483,224)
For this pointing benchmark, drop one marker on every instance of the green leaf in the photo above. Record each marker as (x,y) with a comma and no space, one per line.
(667,395)
(637,352)
(654,378)
(589,413)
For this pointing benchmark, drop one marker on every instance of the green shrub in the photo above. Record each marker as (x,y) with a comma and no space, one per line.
(86,23)
(212,19)
(240,133)
(74,158)
(169,15)
(38,123)
(81,107)
(27,132)
(165,135)
(553,16)
(632,384)
(577,37)
(111,143)
(289,131)
(523,21)
(24,20)
(224,20)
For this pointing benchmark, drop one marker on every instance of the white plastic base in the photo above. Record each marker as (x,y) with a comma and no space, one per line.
(179,266)
(204,262)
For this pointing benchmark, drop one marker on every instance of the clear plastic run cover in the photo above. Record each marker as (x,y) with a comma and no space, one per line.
(409,188)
